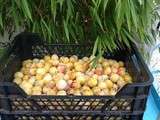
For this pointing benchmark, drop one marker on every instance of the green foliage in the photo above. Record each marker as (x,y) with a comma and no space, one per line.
(103,22)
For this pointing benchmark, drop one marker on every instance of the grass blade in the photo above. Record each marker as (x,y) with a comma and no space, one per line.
(96,17)
(1,21)
(105,2)
(66,30)
(53,8)
(48,30)
(95,46)
(26,9)
(134,14)
(128,16)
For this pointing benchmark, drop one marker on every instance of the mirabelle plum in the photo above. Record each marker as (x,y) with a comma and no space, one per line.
(53,70)
(87,92)
(41,71)
(73,59)
(32,71)
(35,60)
(47,78)
(61,84)
(18,75)
(102,85)
(55,62)
(77,92)
(51,84)
(85,59)
(75,85)
(54,57)
(114,70)
(115,65)
(114,77)
(127,78)
(25,77)
(32,80)
(112,92)
(121,64)
(51,92)
(107,71)
(47,58)
(62,92)
(99,71)
(39,64)
(17,80)
(81,79)
(105,63)
(96,90)
(106,91)
(121,82)
(109,84)
(121,71)
(92,82)
(61,68)
(80,67)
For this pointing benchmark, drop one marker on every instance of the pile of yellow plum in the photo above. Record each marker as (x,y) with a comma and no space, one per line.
(54,75)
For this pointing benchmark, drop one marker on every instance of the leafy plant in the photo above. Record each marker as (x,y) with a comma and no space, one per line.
(107,23)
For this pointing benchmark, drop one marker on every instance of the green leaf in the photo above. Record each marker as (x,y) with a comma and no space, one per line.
(34,26)
(119,14)
(76,18)
(48,30)
(96,17)
(108,42)
(128,16)
(16,20)
(94,61)
(70,9)
(94,2)
(53,8)
(82,21)
(66,30)
(100,51)
(128,35)
(105,2)
(141,2)
(1,21)
(125,40)
(72,32)
(46,26)
(95,46)
(134,14)
(98,2)
(26,9)
(141,35)
(81,33)
(61,4)
(43,29)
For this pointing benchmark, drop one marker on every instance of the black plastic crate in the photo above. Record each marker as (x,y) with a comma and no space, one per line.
(71,117)
(129,100)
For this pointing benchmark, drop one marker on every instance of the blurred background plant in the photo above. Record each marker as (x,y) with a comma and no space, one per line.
(107,23)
